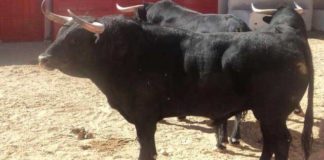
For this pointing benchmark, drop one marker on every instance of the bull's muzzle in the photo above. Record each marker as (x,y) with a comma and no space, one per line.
(44,61)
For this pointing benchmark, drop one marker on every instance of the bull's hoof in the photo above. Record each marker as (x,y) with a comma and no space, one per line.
(220,147)
(234,141)
(225,141)
(260,141)
(162,121)
(298,111)
(211,123)
(181,118)
(149,158)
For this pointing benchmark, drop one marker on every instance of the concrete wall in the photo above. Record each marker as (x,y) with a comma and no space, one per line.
(313,11)
(318,15)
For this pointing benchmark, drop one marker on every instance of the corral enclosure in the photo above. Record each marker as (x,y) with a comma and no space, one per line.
(22,20)
(40,112)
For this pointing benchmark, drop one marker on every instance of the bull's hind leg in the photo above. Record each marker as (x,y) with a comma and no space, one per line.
(236,135)
(145,134)
(276,140)
(181,118)
(298,109)
(221,134)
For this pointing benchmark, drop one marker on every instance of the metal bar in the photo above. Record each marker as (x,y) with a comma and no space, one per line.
(222,6)
(48,28)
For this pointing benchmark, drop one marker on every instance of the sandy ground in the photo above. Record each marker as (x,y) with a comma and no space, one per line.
(42,112)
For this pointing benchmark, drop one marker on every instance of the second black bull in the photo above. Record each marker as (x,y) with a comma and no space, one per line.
(168,13)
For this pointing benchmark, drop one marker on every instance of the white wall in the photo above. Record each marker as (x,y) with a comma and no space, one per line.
(318,15)
(242,9)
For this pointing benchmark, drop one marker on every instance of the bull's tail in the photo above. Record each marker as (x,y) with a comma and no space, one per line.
(307,137)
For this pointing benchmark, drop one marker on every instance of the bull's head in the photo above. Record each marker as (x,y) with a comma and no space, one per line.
(149,12)
(272,12)
(139,10)
(75,40)
(283,19)
(298,9)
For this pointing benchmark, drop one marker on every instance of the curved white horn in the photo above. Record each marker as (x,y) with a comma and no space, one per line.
(298,8)
(54,17)
(263,11)
(128,9)
(94,27)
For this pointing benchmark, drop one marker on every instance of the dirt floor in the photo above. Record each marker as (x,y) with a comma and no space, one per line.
(49,115)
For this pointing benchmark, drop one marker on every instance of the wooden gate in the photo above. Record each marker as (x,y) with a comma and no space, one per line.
(107,7)
(21,20)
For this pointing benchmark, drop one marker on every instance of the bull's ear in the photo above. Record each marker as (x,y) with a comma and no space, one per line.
(142,11)
(141,14)
(267,19)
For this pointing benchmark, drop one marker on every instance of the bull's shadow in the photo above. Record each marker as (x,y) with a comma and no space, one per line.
(250,133)
(318,145)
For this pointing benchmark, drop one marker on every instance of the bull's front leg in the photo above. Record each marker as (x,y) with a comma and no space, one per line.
(145,134)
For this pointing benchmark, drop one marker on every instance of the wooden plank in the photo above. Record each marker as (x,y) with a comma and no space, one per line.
(21,20)
(99,8)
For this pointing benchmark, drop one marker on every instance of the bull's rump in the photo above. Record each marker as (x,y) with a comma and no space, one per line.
(253,70)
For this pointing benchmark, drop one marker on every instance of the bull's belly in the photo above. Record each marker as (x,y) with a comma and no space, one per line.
(216,106)
(267,91)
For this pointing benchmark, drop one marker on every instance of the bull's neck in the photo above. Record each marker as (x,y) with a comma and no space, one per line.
(160,39)
(183,12)
(120,57)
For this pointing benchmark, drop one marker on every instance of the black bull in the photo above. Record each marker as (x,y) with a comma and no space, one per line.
(168,13)
(148,73)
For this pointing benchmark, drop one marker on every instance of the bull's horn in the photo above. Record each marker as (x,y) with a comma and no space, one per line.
(54,17)
(298,8)
(128,9)
(94,27)
(263,11)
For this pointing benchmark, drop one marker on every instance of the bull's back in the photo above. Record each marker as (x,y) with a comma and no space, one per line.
(207,23)
(211,23)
